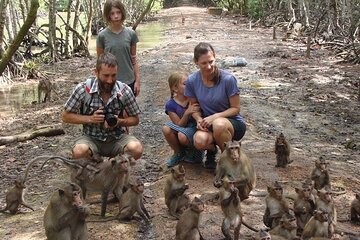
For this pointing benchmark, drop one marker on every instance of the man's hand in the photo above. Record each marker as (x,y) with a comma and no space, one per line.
(98,116)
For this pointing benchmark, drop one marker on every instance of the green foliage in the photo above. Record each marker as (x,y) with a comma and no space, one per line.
(171,3)
(254,9)
(61,5)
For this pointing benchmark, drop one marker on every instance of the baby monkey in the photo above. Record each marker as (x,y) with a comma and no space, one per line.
(282,151)
(15,197)
(174,190)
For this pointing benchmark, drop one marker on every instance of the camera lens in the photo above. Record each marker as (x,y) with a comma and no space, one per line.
(110,119)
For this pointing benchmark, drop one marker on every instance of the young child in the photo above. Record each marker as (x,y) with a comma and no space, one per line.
(180,131)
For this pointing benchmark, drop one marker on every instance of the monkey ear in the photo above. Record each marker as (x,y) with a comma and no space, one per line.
(239,143)
(269,189)
(172,170)
(297,190)
(113,161)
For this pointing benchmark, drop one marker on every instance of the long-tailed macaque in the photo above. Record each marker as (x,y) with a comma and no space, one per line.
(234,162)
(325,201)
(317,226)
(15,197)
(66,213)
(131,202)
(230,205)
(276,205)
(320,174)
(109,176)
(304,205)
(282,151)
(187,227)
(355,209)
(262,235)
(286,227)
(44,86)
(174,190)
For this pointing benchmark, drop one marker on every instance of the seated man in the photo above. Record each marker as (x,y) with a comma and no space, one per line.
(96,104)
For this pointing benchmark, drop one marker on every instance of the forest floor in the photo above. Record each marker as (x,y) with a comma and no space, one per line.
(312,101)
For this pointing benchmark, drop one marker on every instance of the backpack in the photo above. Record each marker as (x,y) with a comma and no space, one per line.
(89,96)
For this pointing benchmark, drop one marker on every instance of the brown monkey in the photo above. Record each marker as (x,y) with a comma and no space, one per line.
(286,227)
(317,225)
(355,209)
(282,151)
(234,162)
(15,197)
(230,205)
(187,227)
(276,205)
(182,19)
(304,205)
(65,215)
(132,201)
(325,201)
(175,186)
(45,86)
(112,176)
(320,174)
(262,235)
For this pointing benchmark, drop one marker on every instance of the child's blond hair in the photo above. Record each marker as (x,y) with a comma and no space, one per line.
(174,80)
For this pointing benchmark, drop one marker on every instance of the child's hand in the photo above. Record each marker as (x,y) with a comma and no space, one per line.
(193,107)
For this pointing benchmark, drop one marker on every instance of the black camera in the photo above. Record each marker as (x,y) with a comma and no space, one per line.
(110,117)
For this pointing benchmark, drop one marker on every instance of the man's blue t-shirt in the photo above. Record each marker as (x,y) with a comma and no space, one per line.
(213,99)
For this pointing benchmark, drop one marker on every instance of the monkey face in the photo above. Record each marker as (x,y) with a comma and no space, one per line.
(178,173)
(321,215)
(233,149)
(20,184)
(124,165)
(197,205)
(306,192)
(76,198)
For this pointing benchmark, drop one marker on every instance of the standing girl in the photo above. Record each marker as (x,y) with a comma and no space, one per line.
(180,131)
(121,42)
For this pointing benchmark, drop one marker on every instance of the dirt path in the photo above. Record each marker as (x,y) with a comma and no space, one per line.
(312,101)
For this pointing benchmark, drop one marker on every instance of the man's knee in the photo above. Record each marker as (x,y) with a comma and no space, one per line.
(134,148)
(81,151)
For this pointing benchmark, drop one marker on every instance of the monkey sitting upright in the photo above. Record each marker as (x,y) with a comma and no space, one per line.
(282,151)
(230,205)
(317,227)
(320,174)
(15,197)
(234,162)
(286,227)
(325,201)
(66,213)
(187,227)
(174,189)
(276,206)
(355,210)
(304,205)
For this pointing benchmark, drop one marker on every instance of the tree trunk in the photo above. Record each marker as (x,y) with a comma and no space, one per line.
(19,37)
(3,16)
(67,32)
(292,13)
(52,31)
(13,17)
(142,15)
(8,25)
(88,24)
(75,25)
(306,12)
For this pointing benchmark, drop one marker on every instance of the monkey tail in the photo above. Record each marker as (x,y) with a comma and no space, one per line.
(248,226)
(59,159)
(104,219)
(31,163)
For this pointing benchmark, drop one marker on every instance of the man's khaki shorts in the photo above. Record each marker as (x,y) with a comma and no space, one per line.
(109,148)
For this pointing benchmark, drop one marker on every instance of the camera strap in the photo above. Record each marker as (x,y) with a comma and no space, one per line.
(89,96)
